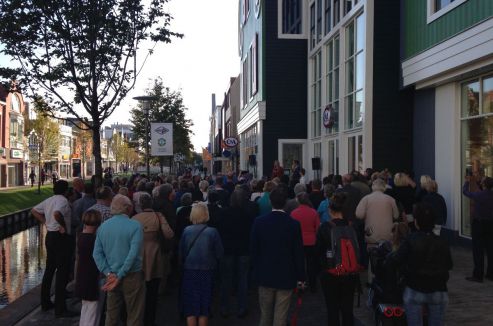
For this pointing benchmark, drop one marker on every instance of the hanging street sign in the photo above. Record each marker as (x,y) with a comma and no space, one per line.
(231,142)
(161,139)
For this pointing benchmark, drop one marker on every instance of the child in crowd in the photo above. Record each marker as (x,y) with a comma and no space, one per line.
(87,277)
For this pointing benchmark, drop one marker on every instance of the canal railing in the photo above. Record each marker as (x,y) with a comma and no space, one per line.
(16,221)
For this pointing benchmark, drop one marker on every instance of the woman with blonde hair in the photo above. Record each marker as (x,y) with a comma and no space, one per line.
(199,250)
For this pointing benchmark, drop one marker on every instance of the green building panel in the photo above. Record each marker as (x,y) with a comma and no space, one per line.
(420,36)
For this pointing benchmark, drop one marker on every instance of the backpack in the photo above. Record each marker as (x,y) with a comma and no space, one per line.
(344,257)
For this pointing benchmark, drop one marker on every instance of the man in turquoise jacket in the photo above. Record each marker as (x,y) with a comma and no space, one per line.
(117,253)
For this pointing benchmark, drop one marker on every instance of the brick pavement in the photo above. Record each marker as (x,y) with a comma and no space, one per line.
(471,304)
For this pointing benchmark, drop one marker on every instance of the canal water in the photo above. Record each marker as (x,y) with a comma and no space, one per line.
(22,263)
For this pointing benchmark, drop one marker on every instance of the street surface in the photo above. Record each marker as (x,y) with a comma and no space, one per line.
(471,304)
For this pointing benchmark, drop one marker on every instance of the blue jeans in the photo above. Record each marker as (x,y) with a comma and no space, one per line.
(436,302)
(234,273)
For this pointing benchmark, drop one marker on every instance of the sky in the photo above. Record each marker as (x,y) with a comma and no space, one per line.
(198,65)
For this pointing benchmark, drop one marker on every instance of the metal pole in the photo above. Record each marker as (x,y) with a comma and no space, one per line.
(39,167)
(146,104)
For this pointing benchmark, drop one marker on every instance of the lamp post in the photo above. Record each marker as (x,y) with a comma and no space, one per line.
(146,105)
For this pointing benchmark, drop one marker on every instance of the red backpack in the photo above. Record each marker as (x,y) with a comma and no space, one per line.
(344,257)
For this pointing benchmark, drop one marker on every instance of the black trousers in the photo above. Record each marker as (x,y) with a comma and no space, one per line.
(311,262)
(152,291)
(339,295)
(58,252)
(482,242)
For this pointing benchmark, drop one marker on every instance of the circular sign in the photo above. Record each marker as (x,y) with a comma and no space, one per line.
(231,142)
(327,117)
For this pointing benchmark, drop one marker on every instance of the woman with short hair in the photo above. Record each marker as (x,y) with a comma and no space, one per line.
(200,249)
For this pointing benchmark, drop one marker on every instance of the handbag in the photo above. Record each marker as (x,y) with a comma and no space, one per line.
(160,236)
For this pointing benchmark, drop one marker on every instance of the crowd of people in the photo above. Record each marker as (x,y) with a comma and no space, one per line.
(127,241)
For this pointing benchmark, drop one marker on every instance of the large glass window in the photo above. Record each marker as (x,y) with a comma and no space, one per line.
(334,156)
(355,153)
(477,138)
(337,11)
(348,5)
(316,94)
(312,26)
(245,83)
(249,148)
(328,16)
(291,14)
(332,82)
(319,20)
(355,73)
(440,4)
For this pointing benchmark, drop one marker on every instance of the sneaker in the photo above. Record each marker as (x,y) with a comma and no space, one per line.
(68,314)
(474,279)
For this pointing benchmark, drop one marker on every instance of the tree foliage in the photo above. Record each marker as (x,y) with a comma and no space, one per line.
(48,136)
(85,48)
(168,107)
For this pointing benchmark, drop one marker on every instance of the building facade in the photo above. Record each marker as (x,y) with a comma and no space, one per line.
(447,62)
(273,78)
(13,148)
(357,116)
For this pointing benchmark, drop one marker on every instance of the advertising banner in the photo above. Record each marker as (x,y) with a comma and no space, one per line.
(161,139)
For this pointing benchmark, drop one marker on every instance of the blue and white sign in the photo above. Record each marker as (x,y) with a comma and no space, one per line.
(161,139)
(231,142)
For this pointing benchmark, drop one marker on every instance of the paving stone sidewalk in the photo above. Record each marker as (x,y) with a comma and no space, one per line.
(471,304)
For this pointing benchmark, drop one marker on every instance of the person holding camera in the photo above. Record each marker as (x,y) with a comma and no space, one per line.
(481,227)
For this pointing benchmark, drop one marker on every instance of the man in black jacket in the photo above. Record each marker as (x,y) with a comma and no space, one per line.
(277,257)
(425,260)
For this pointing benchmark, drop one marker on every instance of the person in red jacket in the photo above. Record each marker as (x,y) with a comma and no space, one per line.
(309,221)
(277,170)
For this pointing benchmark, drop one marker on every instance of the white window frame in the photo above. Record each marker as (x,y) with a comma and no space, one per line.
(432,14)
(304,22)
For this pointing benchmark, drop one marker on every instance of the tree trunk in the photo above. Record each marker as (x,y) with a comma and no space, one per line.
(96,151)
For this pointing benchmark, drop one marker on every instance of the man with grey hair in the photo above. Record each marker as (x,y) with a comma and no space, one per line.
(292,204)
(379,211)
(117,253)
(104,196)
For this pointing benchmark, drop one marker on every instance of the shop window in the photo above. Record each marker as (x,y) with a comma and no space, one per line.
(476,138)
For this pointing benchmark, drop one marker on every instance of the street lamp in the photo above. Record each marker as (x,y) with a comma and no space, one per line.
(146,105)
